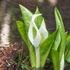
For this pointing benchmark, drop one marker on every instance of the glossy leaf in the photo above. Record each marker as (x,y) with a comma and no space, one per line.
(54,54)
(32,55)
(67,47)
(26,15)
(58,18)
(46,47)
(60,25)
(57,41)
(55,59)
(22,30)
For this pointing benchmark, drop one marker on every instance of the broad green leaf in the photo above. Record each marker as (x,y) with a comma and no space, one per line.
(55,45)
(67,47)
(46,47)
(58,18)
(55,59)
(59,24)
(22,30)
(32,55)
(57,41)
(26,15)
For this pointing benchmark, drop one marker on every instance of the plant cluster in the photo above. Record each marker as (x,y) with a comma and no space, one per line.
(43,45)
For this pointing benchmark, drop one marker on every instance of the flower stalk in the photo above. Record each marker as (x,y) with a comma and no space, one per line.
(37,50)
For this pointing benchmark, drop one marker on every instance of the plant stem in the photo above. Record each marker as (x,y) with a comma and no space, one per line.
(37,50)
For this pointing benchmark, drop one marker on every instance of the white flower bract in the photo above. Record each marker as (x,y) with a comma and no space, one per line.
(62,63)
(42,30)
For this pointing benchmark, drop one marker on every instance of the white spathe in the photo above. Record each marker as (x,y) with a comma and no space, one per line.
(42,30)
(62,63)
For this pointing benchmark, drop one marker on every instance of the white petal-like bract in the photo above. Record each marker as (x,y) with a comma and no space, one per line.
(41,33)
(62,63)
(35,41)
(43,30)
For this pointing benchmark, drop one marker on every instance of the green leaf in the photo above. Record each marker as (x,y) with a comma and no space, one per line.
(54,54)
(57,41)
(60,25)
(58,18)
(46,47)
(26,15)
(55,59)
(37,11)
(67,47)
(32,55)
(22,31)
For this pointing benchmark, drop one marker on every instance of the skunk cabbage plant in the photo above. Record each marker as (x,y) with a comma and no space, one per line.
(58,48)
(37,36)
(42,45)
